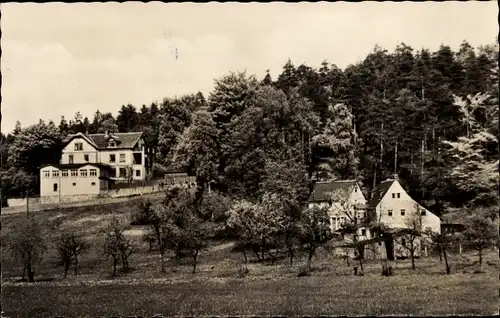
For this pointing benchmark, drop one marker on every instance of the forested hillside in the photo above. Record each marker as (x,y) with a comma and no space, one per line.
(431,117)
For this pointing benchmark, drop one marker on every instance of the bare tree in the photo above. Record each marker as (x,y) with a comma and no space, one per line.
(480,234)
(69,248)
(27,243)
(409,238)
(442,242)
(352,225)
(116,244)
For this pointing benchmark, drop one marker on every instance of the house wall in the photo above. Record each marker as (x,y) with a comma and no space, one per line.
(69,185)
(103,156)
(411,210)
(338,216)
(126,163)
(78,156)
(22,201)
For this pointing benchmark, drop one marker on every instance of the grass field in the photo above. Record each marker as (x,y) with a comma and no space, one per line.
(219,289)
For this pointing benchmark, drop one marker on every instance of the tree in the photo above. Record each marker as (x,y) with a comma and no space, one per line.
(35,146)
(178,227)
(314,230)
(334,149)
(442,242)
(69,248)
(253,226)
(409,238)
(341,205)
(26,242)
(476,167)
(127,118)
(174,118)
(197,149)
(107,125)
(480,234)
(116,245)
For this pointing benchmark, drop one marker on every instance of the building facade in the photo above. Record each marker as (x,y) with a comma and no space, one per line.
(389,207)
(90,164)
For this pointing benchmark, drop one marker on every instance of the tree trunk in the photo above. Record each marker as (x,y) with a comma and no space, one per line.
(440,254)
(66,268)
(246,260)
(412,255)
(448,270)
(195,257)
(291,253)
(309,260)
(162,261)
(115,263)
(76,266)
(481,259)
(24,271)
(31,274)
(361,265)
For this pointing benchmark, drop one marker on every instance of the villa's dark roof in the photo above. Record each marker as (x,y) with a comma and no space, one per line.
(322,190)
(100,141)
(379,193)
(77,165)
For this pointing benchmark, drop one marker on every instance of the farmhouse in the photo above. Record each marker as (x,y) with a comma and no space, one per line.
(345,200)
(390,206)
(90,163)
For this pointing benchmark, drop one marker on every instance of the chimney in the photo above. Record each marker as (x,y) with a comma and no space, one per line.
(395,177)
(106,134)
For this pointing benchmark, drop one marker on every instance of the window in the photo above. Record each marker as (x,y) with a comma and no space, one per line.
(380,243)
(64,173)
(389,212)
(403,212)
(55,173)
(83,173)
(74,183)
(399,196)
(394,195)
(74,173)
(46,174)
(122,157)
(137,173)
(78,146)
(70,158)
(55,187)
(93,183)
(112,158)
(86,158)
(403,242)
(356,189)
(363,232)
(93,172)
(422,212)
(123,173)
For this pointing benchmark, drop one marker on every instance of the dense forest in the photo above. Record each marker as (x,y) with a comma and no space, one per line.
(430,117)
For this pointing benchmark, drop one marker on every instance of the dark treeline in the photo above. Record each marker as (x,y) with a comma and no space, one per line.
(431,117)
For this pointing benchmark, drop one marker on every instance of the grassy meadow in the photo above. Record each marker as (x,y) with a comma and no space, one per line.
(221,288)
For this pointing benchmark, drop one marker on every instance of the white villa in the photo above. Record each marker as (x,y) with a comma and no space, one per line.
(89,163)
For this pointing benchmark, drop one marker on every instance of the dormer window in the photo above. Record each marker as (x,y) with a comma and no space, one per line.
(78,146)
(112,143)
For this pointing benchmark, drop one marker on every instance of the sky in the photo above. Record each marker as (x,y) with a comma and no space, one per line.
(60,58)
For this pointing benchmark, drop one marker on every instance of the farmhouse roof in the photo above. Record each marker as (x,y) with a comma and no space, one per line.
(322,190)
(379,192)
(100,141)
